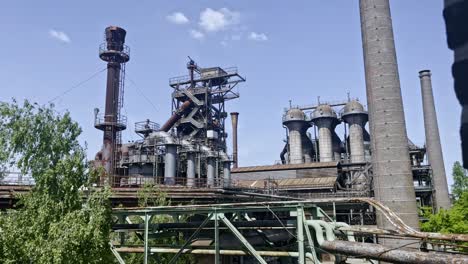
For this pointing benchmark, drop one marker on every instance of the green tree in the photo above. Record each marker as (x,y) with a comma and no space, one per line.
(150,195)
(51,224)
(455,219)
(460,180)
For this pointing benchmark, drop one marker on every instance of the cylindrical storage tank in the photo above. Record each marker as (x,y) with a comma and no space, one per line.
(170,163)
(190,169)
(434,148)
(324,117)
(294,119)
(210,171)
(227,173)
(355,116)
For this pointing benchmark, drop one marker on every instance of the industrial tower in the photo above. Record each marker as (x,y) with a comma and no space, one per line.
(116,54)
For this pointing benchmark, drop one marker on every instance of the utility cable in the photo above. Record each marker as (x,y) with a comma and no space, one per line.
(141,93)
(77,85)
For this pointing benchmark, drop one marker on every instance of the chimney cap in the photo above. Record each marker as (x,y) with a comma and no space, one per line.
(424,73)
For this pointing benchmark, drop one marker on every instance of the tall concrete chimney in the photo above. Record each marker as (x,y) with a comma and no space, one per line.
(393,181)
(234,119)
(434,148)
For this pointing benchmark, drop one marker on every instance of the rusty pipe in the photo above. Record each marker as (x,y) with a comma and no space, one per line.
(234,119)
(393,255)
(176,116)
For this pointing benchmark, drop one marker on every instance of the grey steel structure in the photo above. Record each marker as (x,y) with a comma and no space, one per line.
(295,120)
(356,117)
(433,145)
(324,117)
(189,149)
(393,181)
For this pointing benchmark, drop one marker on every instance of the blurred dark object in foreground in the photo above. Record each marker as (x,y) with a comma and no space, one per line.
(456,23)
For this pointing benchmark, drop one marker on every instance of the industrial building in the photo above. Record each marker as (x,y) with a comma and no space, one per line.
(190,148)
(347,171)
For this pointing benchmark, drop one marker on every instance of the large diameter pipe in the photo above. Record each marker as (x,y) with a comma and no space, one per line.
(170,161)
(227,173)
(190,169)
(393,181)
(210,171)
(393,255)
(234,120)
(434,148)
(176,116)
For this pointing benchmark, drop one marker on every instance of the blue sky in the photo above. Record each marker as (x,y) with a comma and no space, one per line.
(288,50)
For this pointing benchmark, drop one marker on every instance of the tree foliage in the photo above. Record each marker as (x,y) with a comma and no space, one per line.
(150,195)
(460,181)
(455,219)
(52,223)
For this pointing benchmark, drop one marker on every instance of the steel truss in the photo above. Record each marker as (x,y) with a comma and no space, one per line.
(302,221)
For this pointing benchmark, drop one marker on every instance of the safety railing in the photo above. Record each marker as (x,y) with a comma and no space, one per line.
(183,182)
(16,178)
(123,49)
(101,120)
(199,77)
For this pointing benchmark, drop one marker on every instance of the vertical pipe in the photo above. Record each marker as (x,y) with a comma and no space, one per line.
(170,161)
(227,173)
(145,260)
(300,235)
(210,171)
(217,257)
(393,182)
(434,148)
(190,169)
(234,119)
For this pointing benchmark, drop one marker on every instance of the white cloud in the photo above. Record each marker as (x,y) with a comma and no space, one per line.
(177,18)
(258,36)
(60,36)
(217,20)
(196,34)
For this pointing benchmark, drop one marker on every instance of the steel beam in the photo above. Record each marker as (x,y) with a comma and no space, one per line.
(242,239)
(189,240)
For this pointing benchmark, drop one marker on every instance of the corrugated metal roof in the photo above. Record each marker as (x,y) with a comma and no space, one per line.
(311,165)
(315,182)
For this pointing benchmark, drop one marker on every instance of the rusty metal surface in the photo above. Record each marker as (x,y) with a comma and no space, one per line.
(393,255)
(309,183)
(176,116)
(286,167)
(234,119)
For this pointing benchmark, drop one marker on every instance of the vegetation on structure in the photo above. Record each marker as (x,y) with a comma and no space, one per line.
(455,219)
(151,195)
(52,223)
